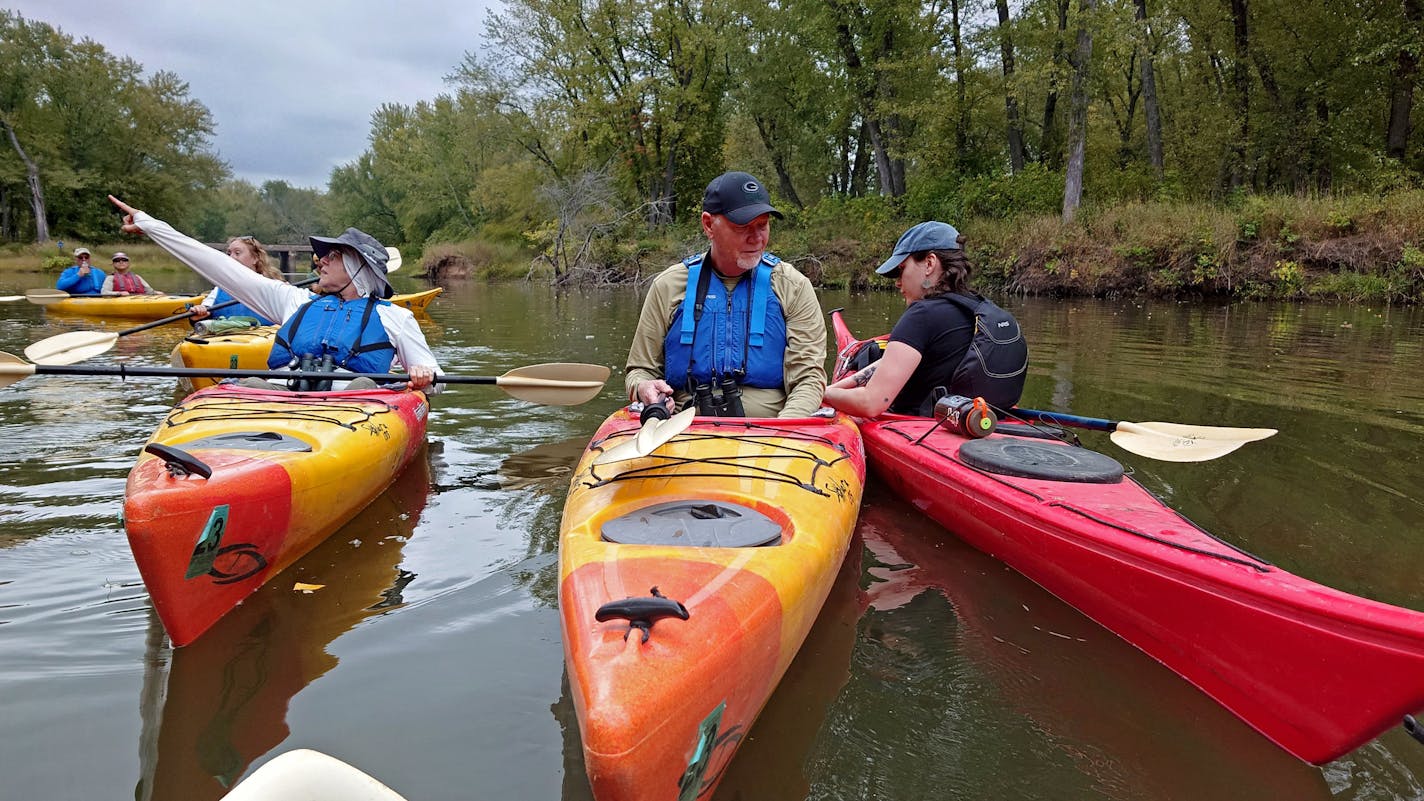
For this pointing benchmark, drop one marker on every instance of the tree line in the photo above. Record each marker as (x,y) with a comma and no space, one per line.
(578,128)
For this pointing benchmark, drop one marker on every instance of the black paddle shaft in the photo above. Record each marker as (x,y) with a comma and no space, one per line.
(125,371)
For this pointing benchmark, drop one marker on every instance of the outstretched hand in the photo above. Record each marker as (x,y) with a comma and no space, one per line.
(129,211)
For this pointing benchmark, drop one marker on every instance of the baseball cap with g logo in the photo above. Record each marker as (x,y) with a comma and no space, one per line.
(739,196)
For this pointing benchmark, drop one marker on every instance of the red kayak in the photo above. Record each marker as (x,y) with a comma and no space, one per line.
(1318,671)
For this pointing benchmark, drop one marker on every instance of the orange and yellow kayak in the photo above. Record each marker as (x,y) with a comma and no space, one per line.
(688,579)
(247,349)
(237,483)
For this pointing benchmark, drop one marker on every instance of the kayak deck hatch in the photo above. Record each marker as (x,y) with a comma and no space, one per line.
(697,524)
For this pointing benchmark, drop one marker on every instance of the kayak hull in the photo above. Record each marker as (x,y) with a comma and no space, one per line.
(248,349)
(665,714)
(1317,671)
(131,307)
(282,480)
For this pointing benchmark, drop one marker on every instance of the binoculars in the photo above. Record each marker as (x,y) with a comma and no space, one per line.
(309,364)
(719,398)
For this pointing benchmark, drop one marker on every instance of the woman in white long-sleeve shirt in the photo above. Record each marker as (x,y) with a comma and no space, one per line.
(336,321)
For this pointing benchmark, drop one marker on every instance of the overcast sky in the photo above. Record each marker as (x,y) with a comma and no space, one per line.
(291,85)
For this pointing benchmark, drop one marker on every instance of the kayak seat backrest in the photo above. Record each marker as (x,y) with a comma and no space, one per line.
(251,441)
(697,524)
(1028,459)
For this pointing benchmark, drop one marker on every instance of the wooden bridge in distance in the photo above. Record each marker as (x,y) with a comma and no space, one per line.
(291,259)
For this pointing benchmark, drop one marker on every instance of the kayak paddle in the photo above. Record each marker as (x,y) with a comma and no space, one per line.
(552,384)
(76,346)
(1169,442)
(45,297)
(11,298)
(655,433)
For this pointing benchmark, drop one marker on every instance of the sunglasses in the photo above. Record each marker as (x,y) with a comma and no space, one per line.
(82,256)
(118,260)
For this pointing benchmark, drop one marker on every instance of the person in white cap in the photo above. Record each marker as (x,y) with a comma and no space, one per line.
(750,343)
(347,322)
(83,278)
(125,281)
(949,340)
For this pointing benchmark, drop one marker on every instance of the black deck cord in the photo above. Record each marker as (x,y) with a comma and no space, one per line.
(1056,431)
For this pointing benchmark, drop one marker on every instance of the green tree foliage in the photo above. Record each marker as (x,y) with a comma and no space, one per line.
(80,123)
(904,101)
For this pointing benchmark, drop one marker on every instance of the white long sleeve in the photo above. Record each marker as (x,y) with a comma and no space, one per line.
(278,300)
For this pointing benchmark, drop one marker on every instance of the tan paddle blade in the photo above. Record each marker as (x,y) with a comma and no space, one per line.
(71,347)
(1175,442)
(45,297)
(653,435)
(393,260)
(658,432)
(556,383)
(13,368)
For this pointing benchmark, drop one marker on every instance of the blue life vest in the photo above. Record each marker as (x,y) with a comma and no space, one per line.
(714,335)
(237,309)
(350,331)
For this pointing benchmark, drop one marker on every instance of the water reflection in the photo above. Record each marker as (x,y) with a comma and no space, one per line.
(1129,727)
(212,707)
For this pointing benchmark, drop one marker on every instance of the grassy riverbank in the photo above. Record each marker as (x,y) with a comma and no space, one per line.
(1353,248)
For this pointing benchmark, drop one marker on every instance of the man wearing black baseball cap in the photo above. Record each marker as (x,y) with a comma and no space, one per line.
(347,323)
(750,343)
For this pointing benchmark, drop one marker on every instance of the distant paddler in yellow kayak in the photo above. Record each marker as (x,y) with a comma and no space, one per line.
(347,325)
(250,253)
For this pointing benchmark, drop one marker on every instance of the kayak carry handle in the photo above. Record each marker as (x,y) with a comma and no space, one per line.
(179,462)
(642,613)
(1412,726)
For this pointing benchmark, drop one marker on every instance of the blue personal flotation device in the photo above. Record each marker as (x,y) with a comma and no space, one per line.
(237,309)
(349,331)
(716,334)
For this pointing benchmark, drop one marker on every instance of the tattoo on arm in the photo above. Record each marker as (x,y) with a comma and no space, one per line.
(863,377)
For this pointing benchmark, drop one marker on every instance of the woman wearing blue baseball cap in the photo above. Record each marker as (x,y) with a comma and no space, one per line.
(950,340)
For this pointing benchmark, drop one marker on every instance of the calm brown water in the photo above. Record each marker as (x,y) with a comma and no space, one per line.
(432,658)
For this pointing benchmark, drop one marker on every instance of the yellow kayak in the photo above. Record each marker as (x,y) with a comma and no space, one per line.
(238,483)
(688,579)
(247,349)
(134,307)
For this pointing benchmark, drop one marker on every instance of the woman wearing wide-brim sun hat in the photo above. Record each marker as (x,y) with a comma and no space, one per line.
(347,320)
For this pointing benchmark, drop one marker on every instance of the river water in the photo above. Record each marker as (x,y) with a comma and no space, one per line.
(431,658)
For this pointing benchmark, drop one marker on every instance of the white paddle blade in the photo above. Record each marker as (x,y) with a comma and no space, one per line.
(11,298)
(13,368)
(393,260)
(45,297)
(1176,442)
(555,383)
(71,347)
(656,433)
(307,775)
(653,435)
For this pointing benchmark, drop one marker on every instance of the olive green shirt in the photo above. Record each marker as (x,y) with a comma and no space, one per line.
(803,368)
